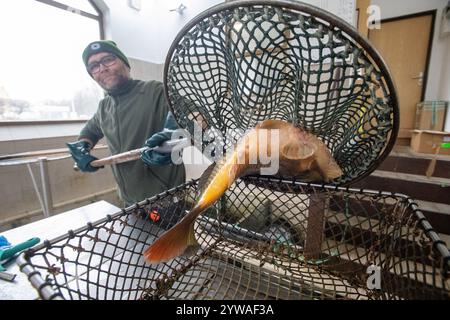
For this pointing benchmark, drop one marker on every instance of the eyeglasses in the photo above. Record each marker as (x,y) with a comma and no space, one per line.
(106,61)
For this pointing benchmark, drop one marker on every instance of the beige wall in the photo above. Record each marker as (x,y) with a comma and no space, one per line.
(145,71)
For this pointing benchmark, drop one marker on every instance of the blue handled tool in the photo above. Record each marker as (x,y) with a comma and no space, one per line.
(8,252)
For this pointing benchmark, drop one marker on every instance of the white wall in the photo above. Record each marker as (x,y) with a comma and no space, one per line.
(438,86)
(147,34)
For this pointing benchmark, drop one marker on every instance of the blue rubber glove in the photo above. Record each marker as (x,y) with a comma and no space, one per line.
(80,151)
(152,157)
(4,243)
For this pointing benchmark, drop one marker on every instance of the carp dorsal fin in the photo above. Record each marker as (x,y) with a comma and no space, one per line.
(209,174)
(298,151)
(203,181)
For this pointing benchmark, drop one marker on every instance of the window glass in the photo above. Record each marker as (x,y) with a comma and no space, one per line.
(42,76)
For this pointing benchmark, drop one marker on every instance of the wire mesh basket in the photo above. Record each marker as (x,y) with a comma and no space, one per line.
(265,239)
(242,62)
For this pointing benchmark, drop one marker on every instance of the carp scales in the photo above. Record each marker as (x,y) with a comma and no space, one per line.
(295,153)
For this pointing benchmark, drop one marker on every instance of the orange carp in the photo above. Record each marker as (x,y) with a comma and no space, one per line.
(297,153)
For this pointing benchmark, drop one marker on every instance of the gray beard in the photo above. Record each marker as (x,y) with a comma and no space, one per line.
(124,86)
(122,81)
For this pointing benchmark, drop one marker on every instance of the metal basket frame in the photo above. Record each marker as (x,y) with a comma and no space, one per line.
(233,251)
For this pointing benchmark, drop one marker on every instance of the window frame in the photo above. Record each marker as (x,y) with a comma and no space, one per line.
(59,5)
(98,17)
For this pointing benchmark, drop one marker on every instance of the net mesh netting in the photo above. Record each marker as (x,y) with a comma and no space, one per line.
(247,61)
(265,239)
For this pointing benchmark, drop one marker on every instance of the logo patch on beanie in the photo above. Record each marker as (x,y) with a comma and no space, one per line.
(95,46)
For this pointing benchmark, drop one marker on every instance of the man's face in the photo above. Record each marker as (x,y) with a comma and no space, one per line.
(112,76)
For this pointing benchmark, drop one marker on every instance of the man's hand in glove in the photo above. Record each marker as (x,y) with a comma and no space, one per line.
(80,151)
(152,157)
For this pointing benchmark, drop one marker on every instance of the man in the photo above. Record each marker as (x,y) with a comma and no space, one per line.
(131,112)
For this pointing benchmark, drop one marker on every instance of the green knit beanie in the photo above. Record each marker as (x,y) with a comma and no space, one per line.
(103,46)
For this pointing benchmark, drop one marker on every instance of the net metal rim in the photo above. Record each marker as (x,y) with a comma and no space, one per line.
(335,22)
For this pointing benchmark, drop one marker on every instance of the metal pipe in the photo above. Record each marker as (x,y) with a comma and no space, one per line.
(46,190)
(38,193)
(135,154)
(31,154)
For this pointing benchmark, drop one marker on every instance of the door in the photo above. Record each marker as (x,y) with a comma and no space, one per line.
(404,44)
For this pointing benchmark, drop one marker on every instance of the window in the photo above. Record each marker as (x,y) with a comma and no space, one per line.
(42,75)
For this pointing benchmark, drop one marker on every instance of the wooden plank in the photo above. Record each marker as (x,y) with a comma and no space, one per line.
(437,214)
(408,177)
(424,190)
(415,165)
(314,231)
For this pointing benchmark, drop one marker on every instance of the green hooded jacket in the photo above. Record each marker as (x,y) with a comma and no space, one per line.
(126,120)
